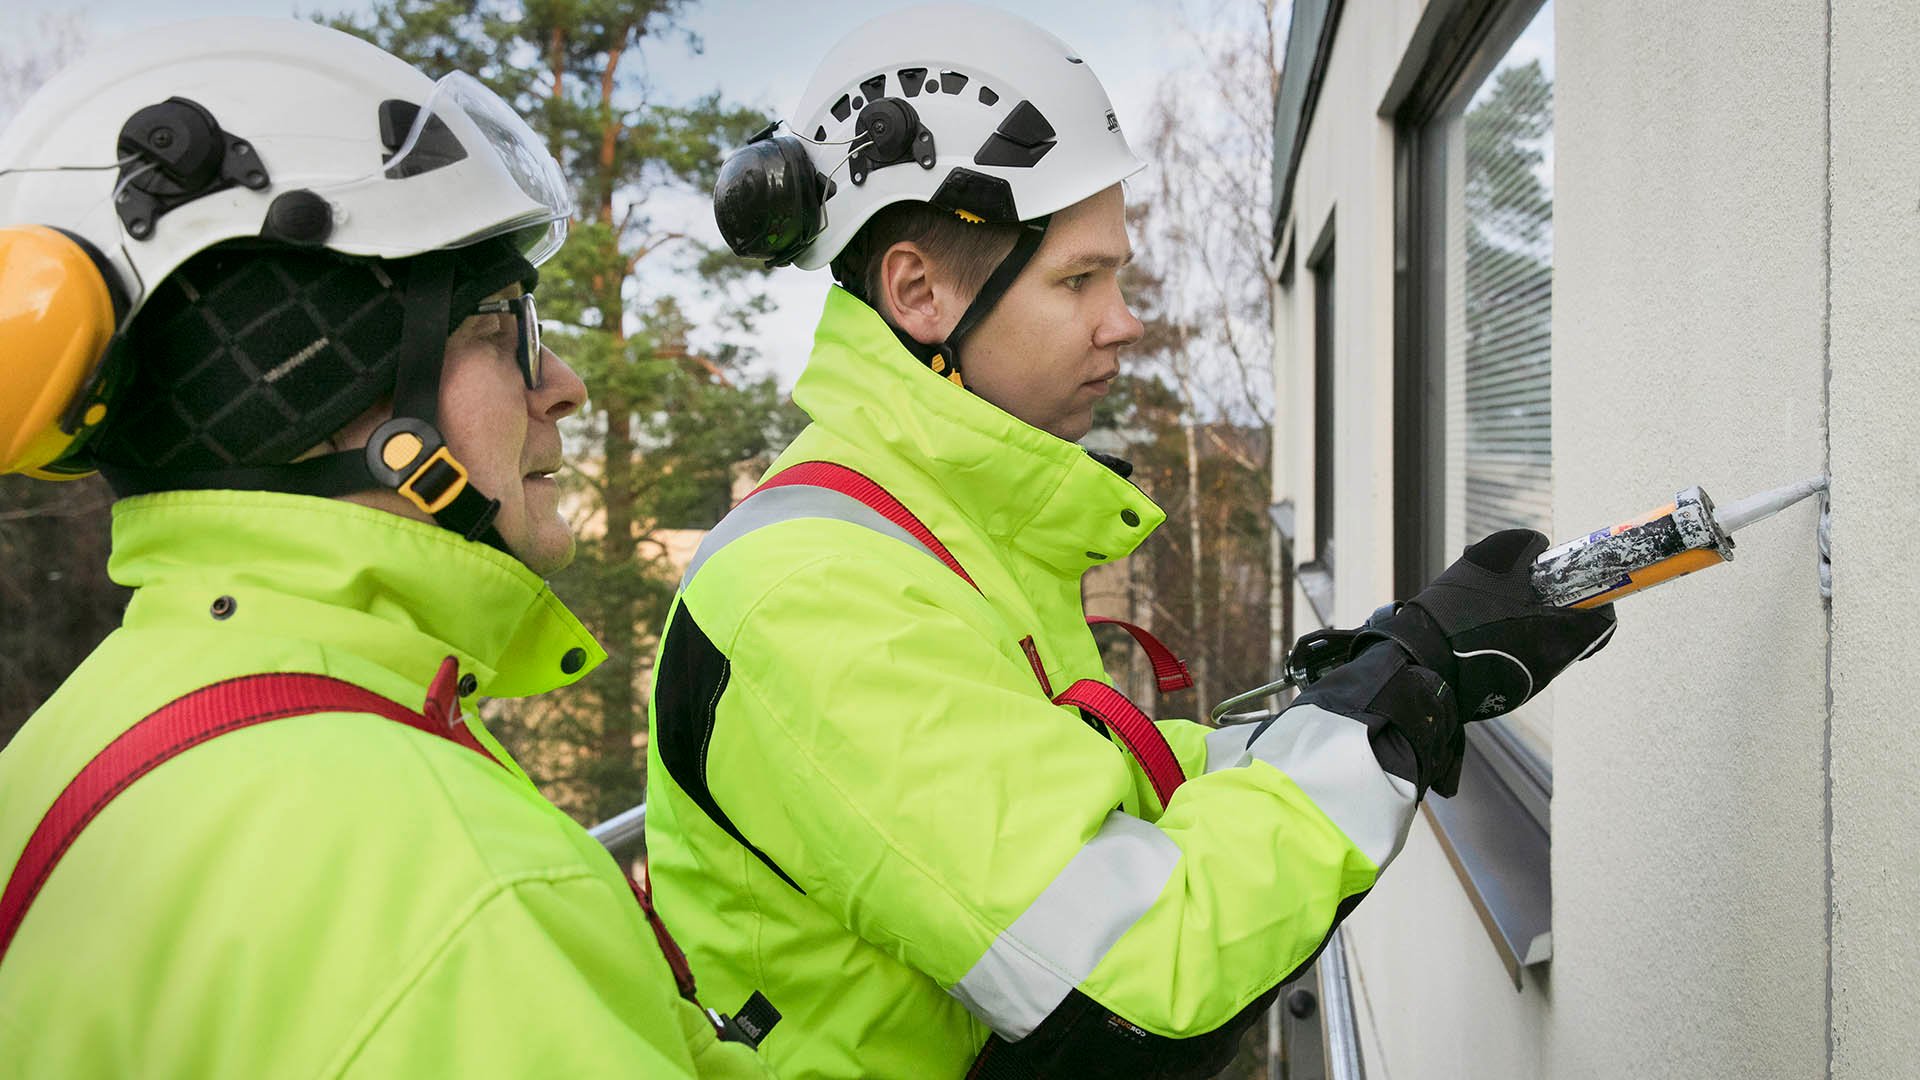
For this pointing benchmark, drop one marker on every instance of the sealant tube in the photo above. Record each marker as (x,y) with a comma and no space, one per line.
(1674,540)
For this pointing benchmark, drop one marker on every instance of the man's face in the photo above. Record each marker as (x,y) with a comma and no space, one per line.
(508,436)
(1050,348)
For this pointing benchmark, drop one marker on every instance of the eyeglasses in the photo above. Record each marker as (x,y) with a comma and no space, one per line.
(527,352)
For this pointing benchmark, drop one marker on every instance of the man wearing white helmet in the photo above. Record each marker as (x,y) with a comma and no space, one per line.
(277,286)
(891,788)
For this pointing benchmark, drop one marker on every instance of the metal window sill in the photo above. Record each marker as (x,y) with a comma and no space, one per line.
(1501,854)
(1316,582)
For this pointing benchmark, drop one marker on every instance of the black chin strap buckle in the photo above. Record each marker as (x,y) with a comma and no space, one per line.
(946,363)
(408,455)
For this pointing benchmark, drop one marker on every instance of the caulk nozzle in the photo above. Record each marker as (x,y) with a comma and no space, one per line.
(1739,515)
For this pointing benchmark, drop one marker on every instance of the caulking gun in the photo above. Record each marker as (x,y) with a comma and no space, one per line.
(1685,535)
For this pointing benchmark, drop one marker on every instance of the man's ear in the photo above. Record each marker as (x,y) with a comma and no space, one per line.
(910,296)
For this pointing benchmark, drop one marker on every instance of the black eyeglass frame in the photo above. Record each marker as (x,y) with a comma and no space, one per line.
(527,351)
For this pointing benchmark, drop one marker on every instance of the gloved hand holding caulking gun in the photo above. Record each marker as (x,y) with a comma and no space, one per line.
(1565,596)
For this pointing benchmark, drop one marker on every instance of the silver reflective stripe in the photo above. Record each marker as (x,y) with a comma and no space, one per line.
(1057,942)
(1328,757)
(1227,747)
(774,505)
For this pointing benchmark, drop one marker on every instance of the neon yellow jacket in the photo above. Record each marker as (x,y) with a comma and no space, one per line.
(862,804)
(332,895)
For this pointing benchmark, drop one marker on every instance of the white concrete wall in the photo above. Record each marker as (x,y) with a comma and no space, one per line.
(1875,360)
(1433,1001)
(1346,175)
(1689,304)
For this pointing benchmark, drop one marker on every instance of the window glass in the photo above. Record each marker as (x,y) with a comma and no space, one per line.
(1487,184)
(1325,448)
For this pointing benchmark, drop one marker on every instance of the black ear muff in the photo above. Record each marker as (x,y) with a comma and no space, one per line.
(769,200)
(60,305)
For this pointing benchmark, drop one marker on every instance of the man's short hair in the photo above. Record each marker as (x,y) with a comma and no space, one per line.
(967,252)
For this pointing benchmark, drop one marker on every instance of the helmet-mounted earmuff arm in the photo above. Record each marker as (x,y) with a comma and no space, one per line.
(406,454)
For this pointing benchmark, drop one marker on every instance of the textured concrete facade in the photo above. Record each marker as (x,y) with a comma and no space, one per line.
(1737,241)
(1689,855)
(1874,357)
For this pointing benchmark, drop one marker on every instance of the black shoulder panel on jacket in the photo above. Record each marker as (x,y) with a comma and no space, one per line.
(693,675)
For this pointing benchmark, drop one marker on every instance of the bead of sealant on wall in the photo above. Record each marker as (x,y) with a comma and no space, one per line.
(1823,539)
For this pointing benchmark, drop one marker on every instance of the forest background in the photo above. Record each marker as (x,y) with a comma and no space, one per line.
(667,328)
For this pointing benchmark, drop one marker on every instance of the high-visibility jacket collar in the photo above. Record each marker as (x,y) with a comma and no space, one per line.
(1025,488)
(401,593)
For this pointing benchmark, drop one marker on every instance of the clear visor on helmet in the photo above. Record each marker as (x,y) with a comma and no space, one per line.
(508,138)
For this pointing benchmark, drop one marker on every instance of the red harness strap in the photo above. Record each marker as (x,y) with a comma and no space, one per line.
(1169,671)
(1142,739)
(1135,729)
(854,484)
(229,706)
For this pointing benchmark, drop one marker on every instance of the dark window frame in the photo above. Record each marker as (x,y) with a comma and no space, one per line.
(1497,832)
(1316,575)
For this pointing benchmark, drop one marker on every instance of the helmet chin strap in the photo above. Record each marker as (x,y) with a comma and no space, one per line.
(406,454)
(944,357)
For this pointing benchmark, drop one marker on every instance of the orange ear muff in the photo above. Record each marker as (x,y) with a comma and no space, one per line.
(60,304)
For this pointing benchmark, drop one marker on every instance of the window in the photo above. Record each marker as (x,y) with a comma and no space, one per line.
(1473,438)
(1323,442)
(1485,217)
(1316,577)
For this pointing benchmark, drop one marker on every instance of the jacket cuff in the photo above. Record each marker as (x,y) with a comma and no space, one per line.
(1412,722)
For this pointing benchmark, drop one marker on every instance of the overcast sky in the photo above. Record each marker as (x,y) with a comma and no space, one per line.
(760,53)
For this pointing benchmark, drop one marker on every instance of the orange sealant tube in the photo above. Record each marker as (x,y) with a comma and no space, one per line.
(1600,567)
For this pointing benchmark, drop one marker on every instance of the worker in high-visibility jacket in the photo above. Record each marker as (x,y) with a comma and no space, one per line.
(260,831)
(890,788)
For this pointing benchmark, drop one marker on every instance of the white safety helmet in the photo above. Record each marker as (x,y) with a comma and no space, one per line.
(311,115)
(970,109)
(966,107)
(164,144)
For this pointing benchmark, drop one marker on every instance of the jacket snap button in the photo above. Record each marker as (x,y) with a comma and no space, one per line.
(574,660)
(468,684)
(222,607)
(1130,517)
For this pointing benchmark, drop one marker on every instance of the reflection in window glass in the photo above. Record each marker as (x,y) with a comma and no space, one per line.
(1489,182)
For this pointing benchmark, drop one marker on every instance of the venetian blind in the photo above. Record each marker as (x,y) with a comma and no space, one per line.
(1502,416)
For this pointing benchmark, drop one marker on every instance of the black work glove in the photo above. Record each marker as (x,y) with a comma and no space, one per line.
(1482,628)
(1411,721)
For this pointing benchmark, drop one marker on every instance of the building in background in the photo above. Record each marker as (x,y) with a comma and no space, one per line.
(1545,264)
